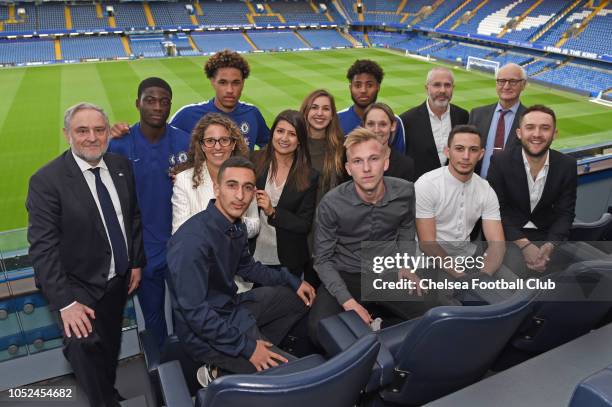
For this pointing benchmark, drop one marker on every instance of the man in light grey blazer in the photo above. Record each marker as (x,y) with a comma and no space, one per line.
(497,123)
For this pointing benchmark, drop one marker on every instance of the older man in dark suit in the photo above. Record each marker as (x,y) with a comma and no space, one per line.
(498,122)
(86,247)
(426,127)
(536,187)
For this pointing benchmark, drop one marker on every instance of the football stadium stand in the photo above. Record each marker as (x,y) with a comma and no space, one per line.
(324,38)
(76,48)
(12,51)
(147,45)
(276,40)
(170,15)
(87,16)
(556,41)
(130,15)
(209,43)
(215,14)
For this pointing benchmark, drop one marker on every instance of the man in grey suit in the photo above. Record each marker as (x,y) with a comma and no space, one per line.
(497,123)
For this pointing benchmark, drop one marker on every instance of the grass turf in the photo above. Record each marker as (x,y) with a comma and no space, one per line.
(36,97)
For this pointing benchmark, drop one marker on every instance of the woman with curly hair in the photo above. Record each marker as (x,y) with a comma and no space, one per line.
(325,139)
(214,139)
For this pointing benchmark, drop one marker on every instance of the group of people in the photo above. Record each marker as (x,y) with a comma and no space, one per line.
(250,240)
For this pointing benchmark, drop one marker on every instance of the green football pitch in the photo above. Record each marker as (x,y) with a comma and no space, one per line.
(36,97)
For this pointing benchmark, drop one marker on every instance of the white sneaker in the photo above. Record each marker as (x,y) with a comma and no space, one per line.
(205,375)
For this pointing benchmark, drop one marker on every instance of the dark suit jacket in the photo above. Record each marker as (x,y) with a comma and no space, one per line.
(555,211)
(420,144)
(69,248)
(293,220)
(482,116)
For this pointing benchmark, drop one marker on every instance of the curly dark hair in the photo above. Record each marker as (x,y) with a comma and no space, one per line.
(226,59)
(365,66)
(196,157)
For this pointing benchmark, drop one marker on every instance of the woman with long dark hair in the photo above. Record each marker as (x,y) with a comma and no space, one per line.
(286,194)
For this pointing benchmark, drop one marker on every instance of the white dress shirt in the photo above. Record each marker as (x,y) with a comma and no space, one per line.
(456,207)
(536,186)
(440,127)
(266,250)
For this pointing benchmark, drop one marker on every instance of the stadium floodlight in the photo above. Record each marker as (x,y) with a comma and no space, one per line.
(482,64)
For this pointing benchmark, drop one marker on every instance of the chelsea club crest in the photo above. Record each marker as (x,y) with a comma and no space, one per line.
(244,128)
(178,158)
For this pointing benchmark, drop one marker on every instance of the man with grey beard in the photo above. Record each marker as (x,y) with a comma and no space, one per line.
(86,247)
(426,127)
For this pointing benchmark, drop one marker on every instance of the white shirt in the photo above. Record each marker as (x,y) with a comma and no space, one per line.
(456,207)
(536,187)
(266,250)
(90,178)
(187,201)
(440,127)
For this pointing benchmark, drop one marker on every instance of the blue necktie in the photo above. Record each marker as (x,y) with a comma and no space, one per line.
(117,240)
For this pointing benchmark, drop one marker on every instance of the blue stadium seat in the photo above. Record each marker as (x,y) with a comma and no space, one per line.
(147,46)
(325,38)
(23,51)
(75,48)
(581,299)
(594,391)
(130,15)
(213,42)
(51,17)
(305,382)
(171,350)
(276,40)
(84,17)
(299,12)
(448,348)
(170,14)
(223,14)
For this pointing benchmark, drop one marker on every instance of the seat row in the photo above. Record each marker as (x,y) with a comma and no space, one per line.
(414,362)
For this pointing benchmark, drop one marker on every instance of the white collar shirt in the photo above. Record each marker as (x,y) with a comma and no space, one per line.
(535,186)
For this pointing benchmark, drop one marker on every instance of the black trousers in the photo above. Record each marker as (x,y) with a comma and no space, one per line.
(392,312)
(276,310)
(94,359)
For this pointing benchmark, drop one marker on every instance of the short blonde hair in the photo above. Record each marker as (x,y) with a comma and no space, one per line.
(360,135)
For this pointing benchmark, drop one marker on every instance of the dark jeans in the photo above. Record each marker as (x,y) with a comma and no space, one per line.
(276,310)
(392,312)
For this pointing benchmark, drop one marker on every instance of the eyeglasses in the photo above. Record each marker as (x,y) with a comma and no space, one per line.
(511,82)
(210,142)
